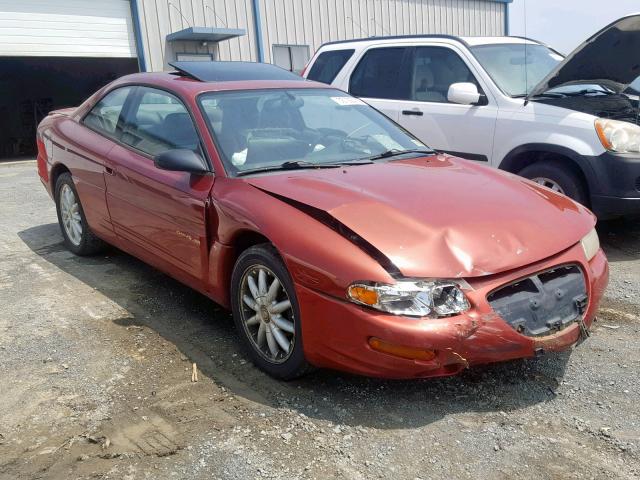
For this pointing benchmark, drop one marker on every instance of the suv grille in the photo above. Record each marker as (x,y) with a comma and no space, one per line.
(542,303)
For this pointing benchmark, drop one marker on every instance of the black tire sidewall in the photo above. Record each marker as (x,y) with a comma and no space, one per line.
(266,255)
(81,249)
(571,185)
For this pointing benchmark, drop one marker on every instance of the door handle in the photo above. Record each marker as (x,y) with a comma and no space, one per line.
(109,171)
(417,113)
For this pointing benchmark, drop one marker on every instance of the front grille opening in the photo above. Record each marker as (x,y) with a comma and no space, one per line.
(523,286)
(543,303)
(638,184)
(550,275)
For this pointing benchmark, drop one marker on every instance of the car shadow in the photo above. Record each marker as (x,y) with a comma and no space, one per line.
(204,332)
(620,238)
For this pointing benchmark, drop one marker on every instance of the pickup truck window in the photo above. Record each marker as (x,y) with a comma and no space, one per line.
(514,68)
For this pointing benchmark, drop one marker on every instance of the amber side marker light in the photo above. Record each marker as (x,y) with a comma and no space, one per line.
(603,136)
(400,351)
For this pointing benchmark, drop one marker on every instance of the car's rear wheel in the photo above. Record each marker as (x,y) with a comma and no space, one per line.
(78,237)
(266,313)
(558,178)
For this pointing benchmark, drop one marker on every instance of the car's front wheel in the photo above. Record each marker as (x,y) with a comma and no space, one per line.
(560,179)
(78,237)
(266,312)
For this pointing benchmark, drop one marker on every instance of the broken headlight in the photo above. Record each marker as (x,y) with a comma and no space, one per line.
(618,136)
(433,298)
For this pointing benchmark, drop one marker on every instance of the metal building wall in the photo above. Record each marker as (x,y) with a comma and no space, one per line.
(158,18)
(314,22)
(306,22)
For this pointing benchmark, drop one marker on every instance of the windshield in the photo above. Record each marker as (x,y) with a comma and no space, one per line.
(278,128)
(515,74)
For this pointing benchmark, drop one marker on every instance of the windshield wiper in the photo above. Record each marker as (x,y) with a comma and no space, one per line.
(578,93)
(394,152)
(299,165)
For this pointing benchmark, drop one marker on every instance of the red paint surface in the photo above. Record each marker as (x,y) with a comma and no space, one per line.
(434,216)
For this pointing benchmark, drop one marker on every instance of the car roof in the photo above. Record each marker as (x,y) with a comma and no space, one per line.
(466,41)
(193,78)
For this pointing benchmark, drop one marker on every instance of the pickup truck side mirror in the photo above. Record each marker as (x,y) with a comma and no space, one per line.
(464,93)
(181,160)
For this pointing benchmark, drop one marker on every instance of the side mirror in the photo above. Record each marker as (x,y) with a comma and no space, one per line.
(464,93)
(181,160)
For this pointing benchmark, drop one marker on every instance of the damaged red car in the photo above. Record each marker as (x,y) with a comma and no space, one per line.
(337,239)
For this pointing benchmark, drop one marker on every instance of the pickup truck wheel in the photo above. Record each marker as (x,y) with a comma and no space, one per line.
(557,178)
(266,313)
(78,237)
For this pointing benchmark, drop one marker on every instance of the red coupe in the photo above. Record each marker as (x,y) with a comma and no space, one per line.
(337,239)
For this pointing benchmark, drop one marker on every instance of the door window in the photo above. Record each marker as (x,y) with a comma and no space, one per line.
(104,116)
(434,70)
(291,57)
(159,122)
(380,75)
(328,64)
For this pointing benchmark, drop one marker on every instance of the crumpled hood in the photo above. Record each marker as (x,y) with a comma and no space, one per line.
(608,57)
(440,216)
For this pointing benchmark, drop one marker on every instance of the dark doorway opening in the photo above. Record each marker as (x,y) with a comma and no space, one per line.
(30,87)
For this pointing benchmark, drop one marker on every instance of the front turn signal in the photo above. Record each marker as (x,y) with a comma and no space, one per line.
(409,353)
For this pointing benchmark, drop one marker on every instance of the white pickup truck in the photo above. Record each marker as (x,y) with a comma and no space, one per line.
(568,123)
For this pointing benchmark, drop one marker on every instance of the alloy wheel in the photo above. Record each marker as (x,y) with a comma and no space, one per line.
(267,314)
(70,213)
(549,183)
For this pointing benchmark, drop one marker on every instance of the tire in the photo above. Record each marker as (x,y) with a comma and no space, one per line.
(251,319)
(570,184)
(82,243)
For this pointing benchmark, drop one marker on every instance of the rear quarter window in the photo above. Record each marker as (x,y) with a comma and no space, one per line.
(328,65)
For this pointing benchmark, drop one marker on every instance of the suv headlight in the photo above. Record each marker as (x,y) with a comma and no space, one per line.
(618,136)
(590,244)
(435,298)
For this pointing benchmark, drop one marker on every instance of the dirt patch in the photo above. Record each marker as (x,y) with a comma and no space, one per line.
(97,367)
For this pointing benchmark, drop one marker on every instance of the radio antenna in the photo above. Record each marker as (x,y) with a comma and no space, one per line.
(526,42)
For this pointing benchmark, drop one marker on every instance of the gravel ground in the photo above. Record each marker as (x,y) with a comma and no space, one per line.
(96,370)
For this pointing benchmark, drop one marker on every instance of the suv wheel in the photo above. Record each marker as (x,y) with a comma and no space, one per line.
(557,178)
(78,237)
(266,313)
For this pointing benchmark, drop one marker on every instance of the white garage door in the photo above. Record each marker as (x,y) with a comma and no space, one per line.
(66,28)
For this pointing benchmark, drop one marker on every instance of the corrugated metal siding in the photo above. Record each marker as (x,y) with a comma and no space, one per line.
(159,18)
(314,22)
(66,28)
(307,22)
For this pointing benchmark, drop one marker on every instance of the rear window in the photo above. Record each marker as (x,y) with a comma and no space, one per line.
(328,64)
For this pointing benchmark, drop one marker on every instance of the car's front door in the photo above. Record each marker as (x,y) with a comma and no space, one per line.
(161,213)
(464,130)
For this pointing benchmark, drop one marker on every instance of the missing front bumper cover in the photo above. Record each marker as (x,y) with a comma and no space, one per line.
(543,303)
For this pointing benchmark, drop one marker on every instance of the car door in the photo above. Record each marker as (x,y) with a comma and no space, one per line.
(381,78)
(464,130)
(86,144)
(161,213)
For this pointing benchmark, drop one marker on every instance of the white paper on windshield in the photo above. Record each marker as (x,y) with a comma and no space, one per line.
(344,101)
